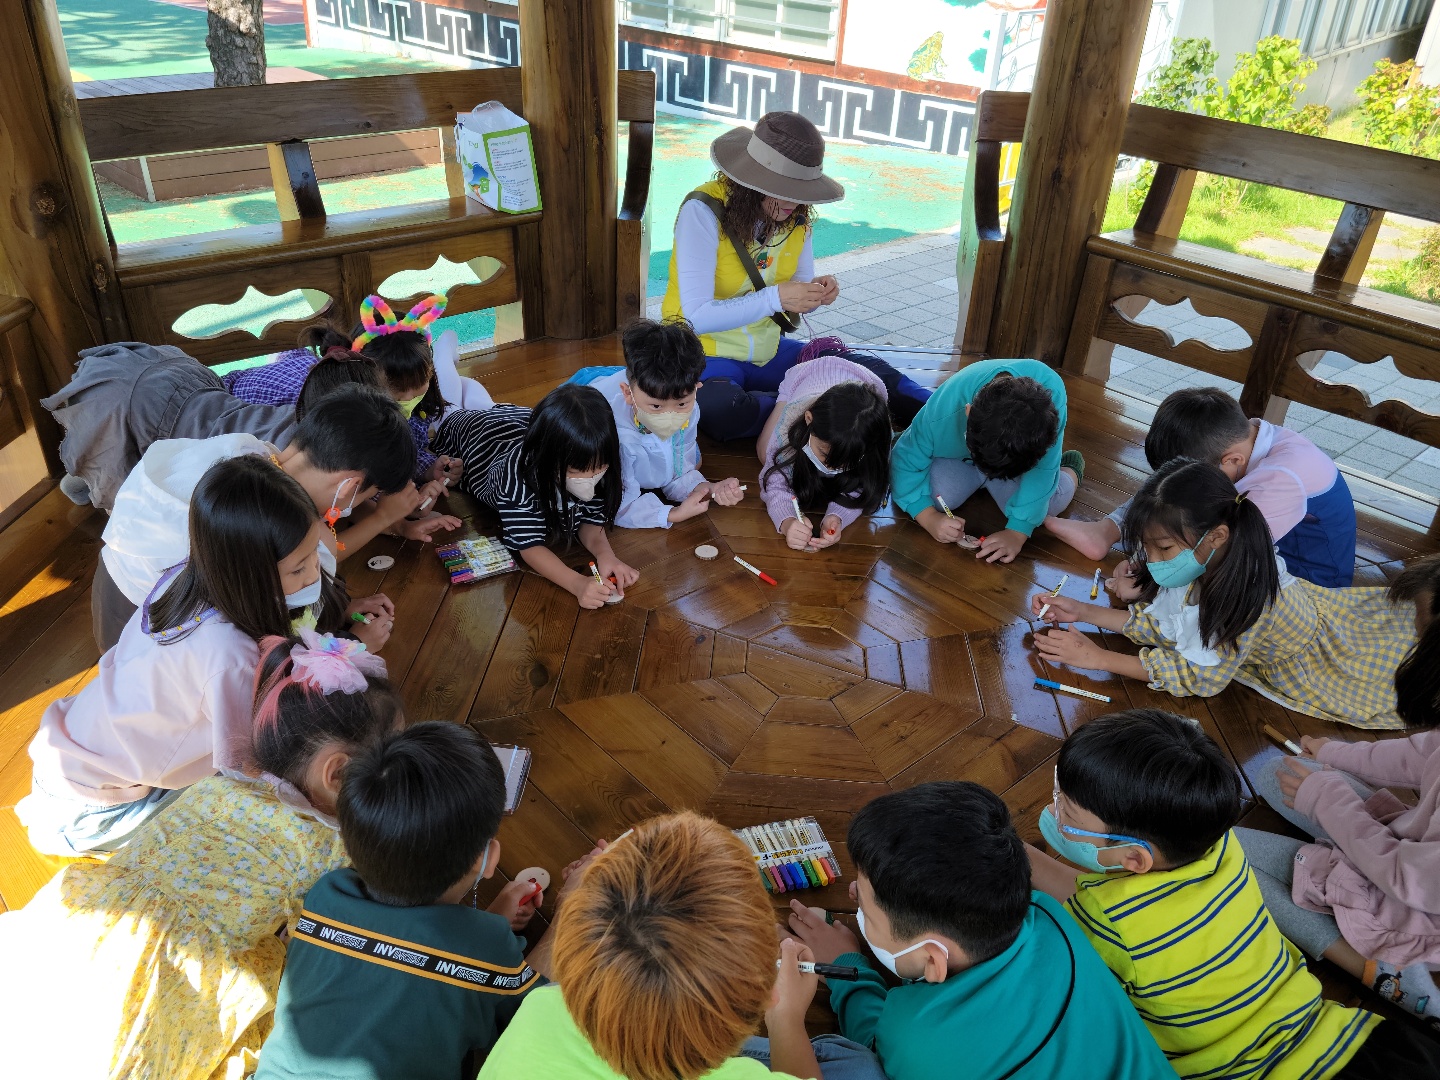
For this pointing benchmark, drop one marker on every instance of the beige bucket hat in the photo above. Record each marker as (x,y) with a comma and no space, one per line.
(780,158)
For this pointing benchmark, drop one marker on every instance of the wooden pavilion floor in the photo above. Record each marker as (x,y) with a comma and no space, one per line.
(883,662)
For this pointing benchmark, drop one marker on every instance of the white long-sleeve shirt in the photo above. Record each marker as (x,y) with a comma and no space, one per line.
(697,244)
(649,463)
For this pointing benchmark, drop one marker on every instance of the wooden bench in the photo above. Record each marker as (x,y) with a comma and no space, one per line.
(344,256)
(1291,316)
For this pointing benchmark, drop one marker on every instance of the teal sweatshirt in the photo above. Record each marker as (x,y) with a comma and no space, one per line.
(991,1016)
(938,431)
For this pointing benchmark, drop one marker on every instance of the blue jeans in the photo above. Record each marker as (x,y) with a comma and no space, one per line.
(736,404)
(840,1059)
(736,397)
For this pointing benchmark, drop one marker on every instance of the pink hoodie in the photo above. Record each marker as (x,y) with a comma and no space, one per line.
(1381,877)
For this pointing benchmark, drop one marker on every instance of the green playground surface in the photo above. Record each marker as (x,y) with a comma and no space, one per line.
(890,193)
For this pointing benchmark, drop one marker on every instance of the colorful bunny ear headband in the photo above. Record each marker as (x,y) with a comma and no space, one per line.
(378,320)
(327,663)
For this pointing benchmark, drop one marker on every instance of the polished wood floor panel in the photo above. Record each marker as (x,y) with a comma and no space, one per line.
(880,663)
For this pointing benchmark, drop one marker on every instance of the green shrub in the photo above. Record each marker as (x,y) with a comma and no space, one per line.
(1398,112)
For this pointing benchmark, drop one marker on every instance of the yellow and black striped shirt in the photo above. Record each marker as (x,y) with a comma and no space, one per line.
(1226,996)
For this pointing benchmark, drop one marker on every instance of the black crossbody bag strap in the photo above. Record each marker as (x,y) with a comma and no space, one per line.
(783,319)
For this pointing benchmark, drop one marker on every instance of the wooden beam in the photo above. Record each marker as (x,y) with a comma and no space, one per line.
(53,246)
(176,122)
(1083,80)
(569,83)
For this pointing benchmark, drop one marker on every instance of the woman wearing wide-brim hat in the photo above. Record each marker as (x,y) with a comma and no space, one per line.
(765,192)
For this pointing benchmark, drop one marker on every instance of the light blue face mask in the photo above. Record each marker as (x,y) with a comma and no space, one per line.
(306,596)
(1177,572)
(820,466)
(1078,851)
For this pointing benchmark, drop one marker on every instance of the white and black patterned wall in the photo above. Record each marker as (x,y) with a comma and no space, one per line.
(729,90)
(686,82)
(416,28)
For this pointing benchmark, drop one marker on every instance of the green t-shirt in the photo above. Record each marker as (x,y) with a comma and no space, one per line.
(992,1016)
(373,991)
(543,1043)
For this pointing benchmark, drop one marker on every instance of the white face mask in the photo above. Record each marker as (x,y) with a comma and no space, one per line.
(664,424)
(583,487)
(335,510)
(820,466)
(306,596)
(888,958)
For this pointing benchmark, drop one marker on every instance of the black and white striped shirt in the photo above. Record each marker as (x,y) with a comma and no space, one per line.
(490,444)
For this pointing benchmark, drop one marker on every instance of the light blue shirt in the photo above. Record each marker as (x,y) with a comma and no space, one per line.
(649,463)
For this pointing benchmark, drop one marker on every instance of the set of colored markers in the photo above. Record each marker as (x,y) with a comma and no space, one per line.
(471,560)
(791,854)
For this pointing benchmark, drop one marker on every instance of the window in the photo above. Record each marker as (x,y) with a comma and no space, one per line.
(1279,15)
(1308,29)
(1340,24)
(802,27)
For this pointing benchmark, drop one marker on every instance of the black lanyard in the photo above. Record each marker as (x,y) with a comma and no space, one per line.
(1065,1006)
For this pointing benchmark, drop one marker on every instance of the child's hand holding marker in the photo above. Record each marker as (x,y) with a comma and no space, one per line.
(695,504)
(829,533)
(797,529)
(517,903)
(597,591)
(826,940)
(728,492)
(1122,584)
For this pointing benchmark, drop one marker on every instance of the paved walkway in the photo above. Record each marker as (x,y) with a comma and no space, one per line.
(904,293)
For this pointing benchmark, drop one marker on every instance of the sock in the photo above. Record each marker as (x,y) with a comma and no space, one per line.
(1412,988)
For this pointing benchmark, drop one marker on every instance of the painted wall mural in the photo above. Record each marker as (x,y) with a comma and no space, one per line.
(940,40)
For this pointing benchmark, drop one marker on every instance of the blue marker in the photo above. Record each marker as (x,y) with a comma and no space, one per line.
(1051,685)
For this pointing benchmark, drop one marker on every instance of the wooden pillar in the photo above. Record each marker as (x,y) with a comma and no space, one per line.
(1084,77)
(53,246)
(568,78)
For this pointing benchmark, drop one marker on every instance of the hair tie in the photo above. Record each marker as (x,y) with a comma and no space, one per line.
(329,664)
(378,320)
(1239,497)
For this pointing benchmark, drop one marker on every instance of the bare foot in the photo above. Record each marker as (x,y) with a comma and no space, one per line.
(1093,539)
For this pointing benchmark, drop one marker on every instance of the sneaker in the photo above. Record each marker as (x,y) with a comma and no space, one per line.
(75,489)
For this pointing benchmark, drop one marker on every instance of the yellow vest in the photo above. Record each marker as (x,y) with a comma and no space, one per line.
(758,341)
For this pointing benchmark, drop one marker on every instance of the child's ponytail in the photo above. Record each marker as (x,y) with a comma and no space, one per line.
(1187,499)
(1417,679)
(313,691)
(336,368)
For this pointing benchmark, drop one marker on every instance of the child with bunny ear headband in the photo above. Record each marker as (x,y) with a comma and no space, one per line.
(187,915)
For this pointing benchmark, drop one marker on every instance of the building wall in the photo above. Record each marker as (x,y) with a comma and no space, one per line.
(896,73)
(1345,37)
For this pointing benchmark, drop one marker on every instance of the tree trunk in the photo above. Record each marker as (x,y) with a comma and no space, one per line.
(237,42)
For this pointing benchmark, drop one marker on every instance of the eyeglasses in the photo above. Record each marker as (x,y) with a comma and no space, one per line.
(1071,830)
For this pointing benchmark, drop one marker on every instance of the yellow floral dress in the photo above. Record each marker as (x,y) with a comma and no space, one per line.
(163,962)
(1330,653)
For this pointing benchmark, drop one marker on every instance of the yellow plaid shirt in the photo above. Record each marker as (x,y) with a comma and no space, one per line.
(1330,653)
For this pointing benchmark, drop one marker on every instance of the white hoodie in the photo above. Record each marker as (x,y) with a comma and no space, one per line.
(149,528)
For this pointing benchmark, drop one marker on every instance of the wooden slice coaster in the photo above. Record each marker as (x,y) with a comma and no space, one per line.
(707,552)
(538,874)
(381,562)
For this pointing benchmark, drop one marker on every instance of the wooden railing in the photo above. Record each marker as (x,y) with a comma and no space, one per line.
(1290,316)
(345,256)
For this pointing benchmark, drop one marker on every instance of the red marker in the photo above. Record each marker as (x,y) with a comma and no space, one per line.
(757,572)
(531,898)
